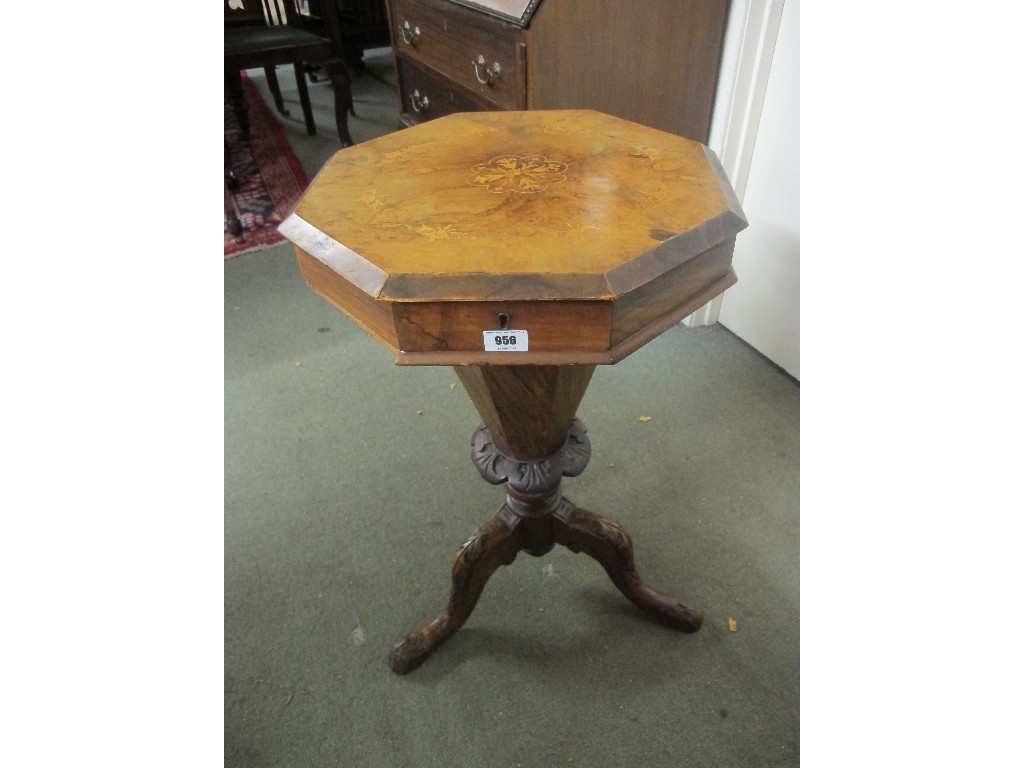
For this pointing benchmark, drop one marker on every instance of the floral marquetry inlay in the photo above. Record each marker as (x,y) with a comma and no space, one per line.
(438,233)
(397,154)
(512,173)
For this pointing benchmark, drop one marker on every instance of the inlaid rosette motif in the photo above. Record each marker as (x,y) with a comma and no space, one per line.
(513,173)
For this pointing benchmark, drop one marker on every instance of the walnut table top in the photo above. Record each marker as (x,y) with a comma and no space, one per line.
(591,233)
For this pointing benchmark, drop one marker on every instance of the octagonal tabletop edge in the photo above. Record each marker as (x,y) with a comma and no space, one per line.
(541,205)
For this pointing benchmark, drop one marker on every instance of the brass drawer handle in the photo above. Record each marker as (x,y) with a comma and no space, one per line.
(410,35)
(492,72)
(419,103)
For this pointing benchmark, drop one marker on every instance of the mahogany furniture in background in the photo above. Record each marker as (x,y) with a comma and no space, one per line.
(524,249)
(651,61)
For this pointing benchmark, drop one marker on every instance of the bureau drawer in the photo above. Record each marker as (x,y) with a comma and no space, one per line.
(483,54)
(426,96)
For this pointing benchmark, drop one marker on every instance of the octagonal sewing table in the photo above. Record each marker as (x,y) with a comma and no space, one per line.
(523,249)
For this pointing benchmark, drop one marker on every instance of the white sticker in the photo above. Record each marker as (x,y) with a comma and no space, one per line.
(506,341)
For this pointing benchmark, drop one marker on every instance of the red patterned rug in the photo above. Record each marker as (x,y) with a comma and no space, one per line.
(270,176)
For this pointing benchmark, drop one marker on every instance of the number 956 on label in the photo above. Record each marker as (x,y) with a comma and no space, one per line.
(506,341)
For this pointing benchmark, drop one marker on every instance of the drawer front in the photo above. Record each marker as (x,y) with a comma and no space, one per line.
(483,54)
(426,96)
(458,326)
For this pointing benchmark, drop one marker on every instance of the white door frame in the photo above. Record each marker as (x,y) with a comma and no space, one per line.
(747,51)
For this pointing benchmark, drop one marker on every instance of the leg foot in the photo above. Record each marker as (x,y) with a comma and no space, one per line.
(606,542)
(494,544)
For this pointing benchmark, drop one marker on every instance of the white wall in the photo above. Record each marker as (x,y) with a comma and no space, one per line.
(757,91)
(763,308)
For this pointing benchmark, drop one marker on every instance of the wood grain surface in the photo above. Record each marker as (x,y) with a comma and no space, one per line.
(528,409)
(561,198)
(592,233)
(651,61)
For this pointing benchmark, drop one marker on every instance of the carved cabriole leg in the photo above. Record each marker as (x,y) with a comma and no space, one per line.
(606,542)
(524,522)
(495,543)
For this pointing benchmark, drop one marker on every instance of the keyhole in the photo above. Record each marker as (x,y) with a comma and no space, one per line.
(503,321)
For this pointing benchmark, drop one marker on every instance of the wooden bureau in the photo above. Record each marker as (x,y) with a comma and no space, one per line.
(654,62)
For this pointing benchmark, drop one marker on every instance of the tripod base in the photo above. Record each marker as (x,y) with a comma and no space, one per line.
(534,518)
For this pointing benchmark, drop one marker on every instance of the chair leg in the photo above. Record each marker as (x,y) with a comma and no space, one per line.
(343,103)
(233,85)
(275,88)
(307,108)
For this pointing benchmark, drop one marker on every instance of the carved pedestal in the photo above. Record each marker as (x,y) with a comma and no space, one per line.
(525,408)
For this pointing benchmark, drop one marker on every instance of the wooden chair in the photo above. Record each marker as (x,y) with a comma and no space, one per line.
(265,33)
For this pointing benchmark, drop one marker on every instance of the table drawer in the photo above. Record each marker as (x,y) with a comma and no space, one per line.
(483,54)
(425,96)
(458,326)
